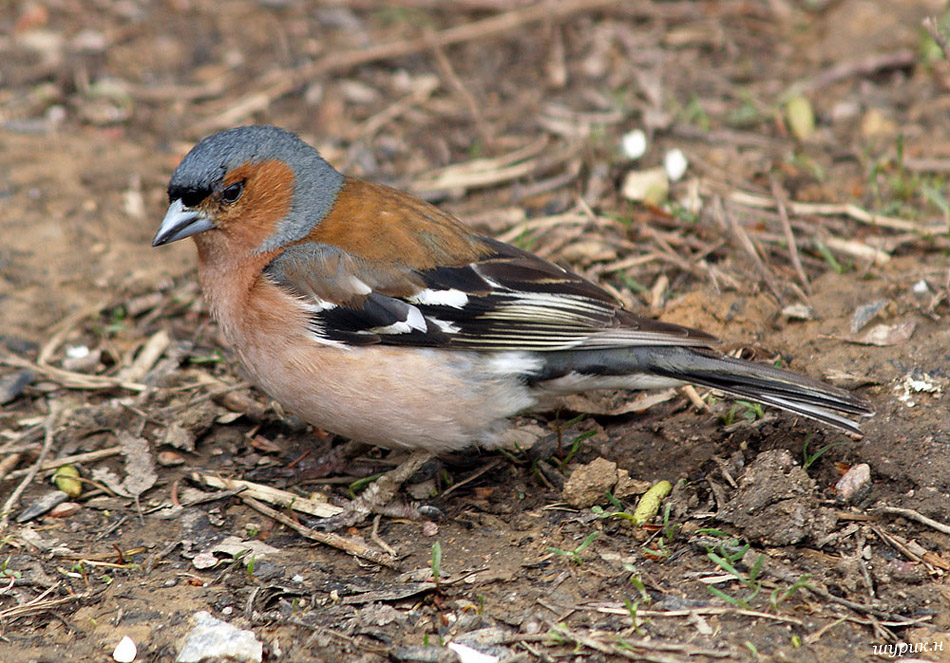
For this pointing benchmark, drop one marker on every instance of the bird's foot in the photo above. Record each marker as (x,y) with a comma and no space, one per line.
(379,497)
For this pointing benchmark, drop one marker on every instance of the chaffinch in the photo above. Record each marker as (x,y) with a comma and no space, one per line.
(377,316)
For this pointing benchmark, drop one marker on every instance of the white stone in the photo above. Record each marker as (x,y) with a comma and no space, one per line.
(217,640)
(634,144)
(675,163)
(467,654)
(125,651)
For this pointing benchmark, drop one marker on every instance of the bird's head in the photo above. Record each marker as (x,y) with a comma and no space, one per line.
(260,186)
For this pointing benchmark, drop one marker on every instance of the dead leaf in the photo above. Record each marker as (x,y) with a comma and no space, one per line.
(139,468)
(934,559)
(234,546)
(863,314)
(392,593)
(885,335)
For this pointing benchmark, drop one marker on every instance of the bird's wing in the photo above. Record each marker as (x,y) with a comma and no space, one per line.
(504,299)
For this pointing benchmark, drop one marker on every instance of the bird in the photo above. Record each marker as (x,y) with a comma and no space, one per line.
(377,316)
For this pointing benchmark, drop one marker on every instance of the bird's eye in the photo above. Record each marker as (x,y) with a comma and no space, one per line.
(232,192)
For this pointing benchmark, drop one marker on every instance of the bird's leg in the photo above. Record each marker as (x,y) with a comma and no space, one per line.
(379,494)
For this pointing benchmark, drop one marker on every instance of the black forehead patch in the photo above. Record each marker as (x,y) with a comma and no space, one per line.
(189,196)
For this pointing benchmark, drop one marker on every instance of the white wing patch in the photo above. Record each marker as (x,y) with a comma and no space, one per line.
(444,326)
(414,322)
(429,297)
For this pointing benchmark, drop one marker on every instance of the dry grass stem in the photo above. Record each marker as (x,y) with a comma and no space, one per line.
(351,546)
(49,427)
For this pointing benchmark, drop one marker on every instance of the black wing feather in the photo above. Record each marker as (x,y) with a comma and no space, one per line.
(508,300)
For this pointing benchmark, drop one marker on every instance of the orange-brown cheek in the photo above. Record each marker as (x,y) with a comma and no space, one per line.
(268,195)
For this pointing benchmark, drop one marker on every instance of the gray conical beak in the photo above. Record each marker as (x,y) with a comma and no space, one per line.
(181,222)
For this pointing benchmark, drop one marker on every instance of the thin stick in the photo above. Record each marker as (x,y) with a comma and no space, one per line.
(71,379)
(49,427)
(857,607)
(749,247)
(375,538)
(368,128)
(863,66)
(478,473)
(23,441)
(654,651)
(705,610)
(8,463)
(40,604)
(848,210)
(151,352)
(914,515)
(86,457)
(327,538)
(695,398)
(789,234)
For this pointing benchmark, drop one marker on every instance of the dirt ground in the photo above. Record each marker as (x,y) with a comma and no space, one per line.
(811,224)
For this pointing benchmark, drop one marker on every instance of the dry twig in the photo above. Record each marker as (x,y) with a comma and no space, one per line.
(746,243)
(914,515)
(350,546)
(789,234)
(654,651)
(271,495)
(863,66)
(848,210)
(71,379)
(40,604)
(49,427)
(86,457)
(424,90)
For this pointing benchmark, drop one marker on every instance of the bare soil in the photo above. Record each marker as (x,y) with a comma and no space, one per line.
(521,110)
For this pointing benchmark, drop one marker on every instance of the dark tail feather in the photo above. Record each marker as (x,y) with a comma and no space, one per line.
(736,377)
(762,383)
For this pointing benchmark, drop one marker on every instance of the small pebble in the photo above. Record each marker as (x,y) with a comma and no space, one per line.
(125,651)
(675,163)
(213,639)
(77,351)
(651,186)
(170,458)
(855,483)
(799,312)
(82,361)
(65,510)
(634,144)
(468,654)
(588,484)
(204,560)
